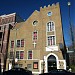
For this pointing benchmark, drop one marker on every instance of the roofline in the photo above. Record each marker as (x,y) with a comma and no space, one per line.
(7,15)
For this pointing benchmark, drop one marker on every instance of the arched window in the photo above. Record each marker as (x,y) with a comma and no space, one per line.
(50,26)
(35,36)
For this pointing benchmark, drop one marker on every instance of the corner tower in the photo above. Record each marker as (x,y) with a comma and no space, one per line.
(52,37)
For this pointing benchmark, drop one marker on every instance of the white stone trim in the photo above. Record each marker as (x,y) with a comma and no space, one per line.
(45,66)
(10,66)
(34,44)
(19,50)
(36,72)
(52,48)
(24,59)
(46,57)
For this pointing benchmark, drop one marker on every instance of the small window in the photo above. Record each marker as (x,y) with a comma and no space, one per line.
(49,13)
(35,65)
(29,54)
(35,22)
(35,36)
(18,43)
(12,44)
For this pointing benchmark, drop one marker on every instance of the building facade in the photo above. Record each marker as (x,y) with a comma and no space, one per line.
(38,42)
(6,23)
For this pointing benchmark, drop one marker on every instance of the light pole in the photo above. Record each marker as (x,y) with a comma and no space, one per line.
(71,30)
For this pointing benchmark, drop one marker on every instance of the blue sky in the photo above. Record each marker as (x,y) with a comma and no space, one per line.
(25,8)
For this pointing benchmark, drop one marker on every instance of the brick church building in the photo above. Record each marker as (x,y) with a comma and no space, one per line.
(38,42)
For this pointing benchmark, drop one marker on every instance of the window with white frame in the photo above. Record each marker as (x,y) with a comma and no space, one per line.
(50,26)
(20,43)
(35,36)
(51,40)
(29,54)
(20,54)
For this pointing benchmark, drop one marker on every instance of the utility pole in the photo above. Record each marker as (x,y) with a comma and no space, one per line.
(71,31)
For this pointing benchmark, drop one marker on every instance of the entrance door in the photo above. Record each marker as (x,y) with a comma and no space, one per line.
(51,61)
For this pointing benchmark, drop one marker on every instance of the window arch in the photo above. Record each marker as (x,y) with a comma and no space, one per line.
(50,26)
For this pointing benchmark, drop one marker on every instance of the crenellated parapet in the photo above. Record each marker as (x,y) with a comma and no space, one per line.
(50,6)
